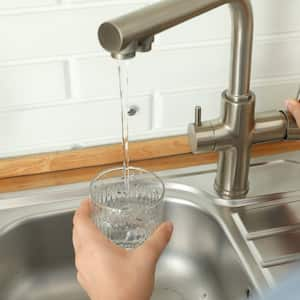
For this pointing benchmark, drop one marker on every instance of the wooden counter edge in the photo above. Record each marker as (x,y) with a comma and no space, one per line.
(92,156)
(171,157)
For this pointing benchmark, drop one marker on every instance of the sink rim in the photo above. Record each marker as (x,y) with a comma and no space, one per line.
(197,213)
(17,215)
(72,191)
(39,209)
(18,207)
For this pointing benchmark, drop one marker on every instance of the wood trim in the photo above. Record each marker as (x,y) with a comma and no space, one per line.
(154,164)
(94,156)
(86,174)
(112,154)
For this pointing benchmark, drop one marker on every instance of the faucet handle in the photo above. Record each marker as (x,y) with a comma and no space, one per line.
(201,134)
(198,117)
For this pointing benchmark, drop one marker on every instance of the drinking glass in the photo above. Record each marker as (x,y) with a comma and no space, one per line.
(127,204)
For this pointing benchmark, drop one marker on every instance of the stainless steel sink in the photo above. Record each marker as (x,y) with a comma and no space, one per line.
(37,263)
(36,259)
(217,252)
(199,259)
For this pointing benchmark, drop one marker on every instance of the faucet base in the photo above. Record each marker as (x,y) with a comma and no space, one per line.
(233,141)
(227,195)
(231,135)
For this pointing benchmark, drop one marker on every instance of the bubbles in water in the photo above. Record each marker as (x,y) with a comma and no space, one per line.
(128,230)
(136,234)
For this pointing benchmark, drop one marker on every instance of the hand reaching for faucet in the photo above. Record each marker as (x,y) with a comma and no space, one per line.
(293,106)
(106,271)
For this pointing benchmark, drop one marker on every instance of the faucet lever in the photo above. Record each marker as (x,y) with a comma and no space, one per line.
(198,121)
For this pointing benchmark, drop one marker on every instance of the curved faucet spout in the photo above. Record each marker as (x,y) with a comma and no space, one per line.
(127,34)
(233,133)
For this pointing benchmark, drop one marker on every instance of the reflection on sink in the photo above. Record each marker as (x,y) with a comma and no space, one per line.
(199,259)
(36,259)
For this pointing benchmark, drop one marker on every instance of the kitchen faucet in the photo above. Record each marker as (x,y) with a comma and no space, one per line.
(237,128)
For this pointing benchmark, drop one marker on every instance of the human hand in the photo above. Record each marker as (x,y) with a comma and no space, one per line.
(106,271)
(293,106)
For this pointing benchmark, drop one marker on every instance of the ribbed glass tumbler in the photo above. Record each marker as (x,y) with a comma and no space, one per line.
(127,204)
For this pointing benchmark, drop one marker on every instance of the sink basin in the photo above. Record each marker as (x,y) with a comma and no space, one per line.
(37,261)
(198,260)
(220,249)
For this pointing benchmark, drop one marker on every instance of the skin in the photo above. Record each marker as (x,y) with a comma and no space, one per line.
(293,106)
(106,271)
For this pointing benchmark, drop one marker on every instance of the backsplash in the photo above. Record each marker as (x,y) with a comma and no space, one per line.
(59,89)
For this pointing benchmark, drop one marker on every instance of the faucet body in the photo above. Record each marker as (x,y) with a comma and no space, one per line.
(127,34)
(234,132)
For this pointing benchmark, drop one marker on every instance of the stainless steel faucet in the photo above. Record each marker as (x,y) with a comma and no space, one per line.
(234,132)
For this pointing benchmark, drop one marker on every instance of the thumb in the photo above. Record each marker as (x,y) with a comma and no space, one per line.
(293,107)
(157,242)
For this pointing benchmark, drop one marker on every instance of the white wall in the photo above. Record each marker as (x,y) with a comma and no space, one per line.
(59,89)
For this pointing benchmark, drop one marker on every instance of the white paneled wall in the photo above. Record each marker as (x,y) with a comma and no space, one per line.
(59,89)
